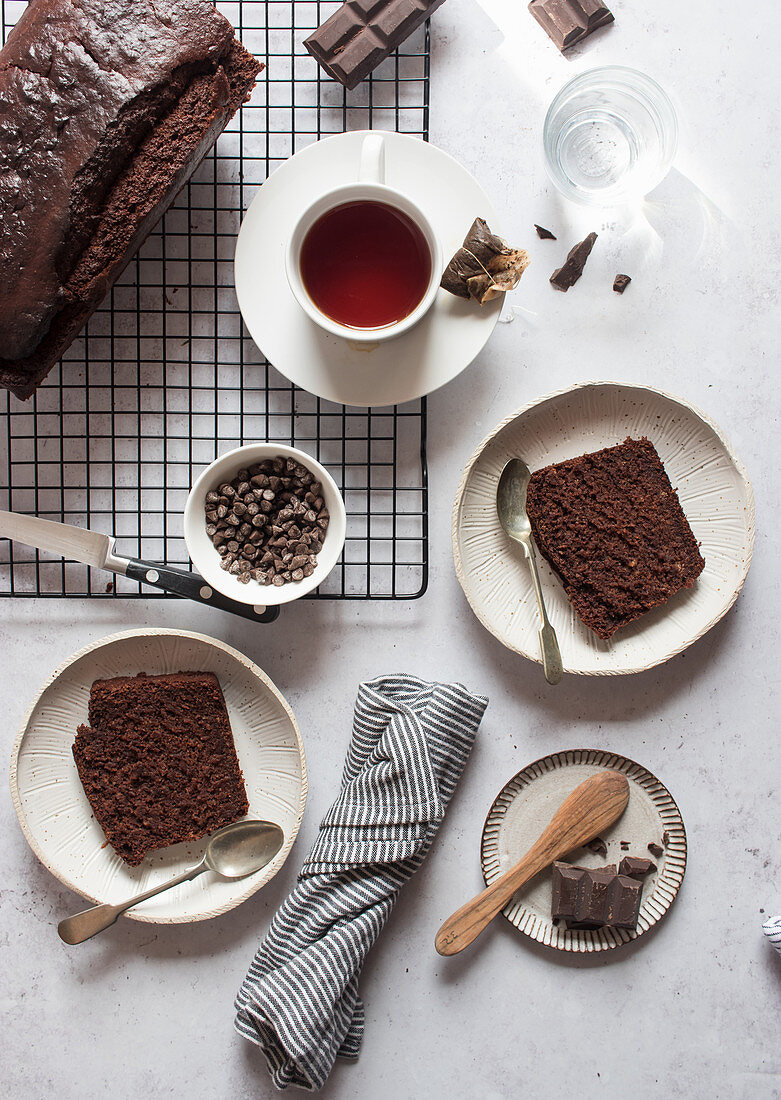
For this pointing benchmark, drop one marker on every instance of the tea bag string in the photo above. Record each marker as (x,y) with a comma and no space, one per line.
(485,269)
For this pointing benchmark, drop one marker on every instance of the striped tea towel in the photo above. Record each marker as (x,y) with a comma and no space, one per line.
(772,929)
(299,1002)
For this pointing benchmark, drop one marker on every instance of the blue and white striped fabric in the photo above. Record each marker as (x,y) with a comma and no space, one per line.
(772,929)
(299,1002)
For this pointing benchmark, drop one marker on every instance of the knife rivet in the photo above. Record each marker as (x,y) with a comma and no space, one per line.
(152,576)
(206,593)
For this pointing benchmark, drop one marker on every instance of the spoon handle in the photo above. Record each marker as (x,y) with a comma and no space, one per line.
(594,805)
(82,926)
(549,643)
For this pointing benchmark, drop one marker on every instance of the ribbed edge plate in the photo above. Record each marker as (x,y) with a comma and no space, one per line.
(57,819)
(526,804)
(713,488)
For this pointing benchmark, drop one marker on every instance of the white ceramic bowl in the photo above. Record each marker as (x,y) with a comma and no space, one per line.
(57,819)
(201,548)
(713,489)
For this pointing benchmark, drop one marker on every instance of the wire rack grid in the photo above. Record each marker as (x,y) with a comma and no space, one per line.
(165,377)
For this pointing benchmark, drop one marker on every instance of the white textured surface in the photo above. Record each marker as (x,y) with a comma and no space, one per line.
(692,1010)
(713,490)
(57,817)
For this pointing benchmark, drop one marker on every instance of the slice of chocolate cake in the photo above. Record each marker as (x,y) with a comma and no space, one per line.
(612,527)
(157,762)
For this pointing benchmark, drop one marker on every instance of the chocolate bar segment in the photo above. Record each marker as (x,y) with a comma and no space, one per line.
(589,899)
(362,33)
(568,21)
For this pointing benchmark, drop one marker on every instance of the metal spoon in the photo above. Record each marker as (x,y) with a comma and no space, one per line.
(511,506)
(233,851)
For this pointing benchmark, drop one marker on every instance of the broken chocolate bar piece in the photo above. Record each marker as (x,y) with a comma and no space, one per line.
(544,234)
(636,866)
(570,271)
(621,282)
(484,266)
(656,850)
(568,21)
(362,33)
(592,898)
(597,845)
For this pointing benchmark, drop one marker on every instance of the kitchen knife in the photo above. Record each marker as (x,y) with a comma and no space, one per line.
(97,551)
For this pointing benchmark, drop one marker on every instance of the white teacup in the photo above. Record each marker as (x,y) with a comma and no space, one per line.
(370,187)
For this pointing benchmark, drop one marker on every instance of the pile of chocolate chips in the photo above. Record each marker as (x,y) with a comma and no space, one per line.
(268,523)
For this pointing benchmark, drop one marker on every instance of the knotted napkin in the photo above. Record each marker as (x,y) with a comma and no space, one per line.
(299,1001)
(772,929)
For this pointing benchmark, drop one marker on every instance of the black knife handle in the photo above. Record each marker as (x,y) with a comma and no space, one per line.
(193,587)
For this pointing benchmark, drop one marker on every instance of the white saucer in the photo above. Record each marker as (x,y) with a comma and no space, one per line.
(448,338)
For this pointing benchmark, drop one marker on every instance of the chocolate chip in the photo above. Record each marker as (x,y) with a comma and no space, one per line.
(268,523)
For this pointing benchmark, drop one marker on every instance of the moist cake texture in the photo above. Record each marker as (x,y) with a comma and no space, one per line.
(612,527)
(157,761)
(106,107)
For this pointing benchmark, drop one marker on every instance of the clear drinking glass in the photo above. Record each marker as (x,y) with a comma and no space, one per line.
(610,136)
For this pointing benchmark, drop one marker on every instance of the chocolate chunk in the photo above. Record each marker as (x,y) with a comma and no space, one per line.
(570,271)
(484,266)
(362,33)
(544,234)
(589,898)
(568,21)
(665,838)
(656,850)
(621,282)
(597,845)
(636,867)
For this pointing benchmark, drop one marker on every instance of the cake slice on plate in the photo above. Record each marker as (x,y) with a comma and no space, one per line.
(157,761)
(611,525)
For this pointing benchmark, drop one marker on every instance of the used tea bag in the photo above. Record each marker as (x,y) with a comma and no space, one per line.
(484,266)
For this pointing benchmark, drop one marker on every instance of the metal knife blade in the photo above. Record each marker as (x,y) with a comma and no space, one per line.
(62,539)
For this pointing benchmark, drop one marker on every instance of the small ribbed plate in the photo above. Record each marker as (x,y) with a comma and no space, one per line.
(524,808)
(713,489)
(57,819)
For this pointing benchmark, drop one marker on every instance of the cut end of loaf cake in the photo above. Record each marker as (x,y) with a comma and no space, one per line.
(611,526)
(157,761)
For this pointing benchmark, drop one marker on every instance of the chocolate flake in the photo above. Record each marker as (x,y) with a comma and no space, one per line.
(568,21)
(485,266)
(656,850)
(570,271)
(544,234)
(597,845)
(665,838)
(624,845)
(621,282)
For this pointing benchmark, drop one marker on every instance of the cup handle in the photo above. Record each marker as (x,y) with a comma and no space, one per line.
(372,166)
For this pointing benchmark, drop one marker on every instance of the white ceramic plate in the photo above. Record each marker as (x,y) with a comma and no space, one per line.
(56,817)
(525,806)
(713,489)
(448,338)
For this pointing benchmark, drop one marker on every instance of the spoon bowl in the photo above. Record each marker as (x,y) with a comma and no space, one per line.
(511,509)
(243,848)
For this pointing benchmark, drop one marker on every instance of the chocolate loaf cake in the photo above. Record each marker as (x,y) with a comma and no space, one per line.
(106,107)
(612,527)
(157,762)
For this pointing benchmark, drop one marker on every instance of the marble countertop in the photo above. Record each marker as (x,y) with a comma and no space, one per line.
(690,1011)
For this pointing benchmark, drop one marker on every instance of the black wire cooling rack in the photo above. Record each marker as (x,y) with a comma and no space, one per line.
(165,377)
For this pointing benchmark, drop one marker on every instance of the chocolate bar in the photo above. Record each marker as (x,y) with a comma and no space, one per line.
(568,21)
(362,33)
(570,271)
(595,898)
